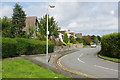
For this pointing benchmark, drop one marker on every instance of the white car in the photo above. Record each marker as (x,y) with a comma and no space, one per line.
(93,46)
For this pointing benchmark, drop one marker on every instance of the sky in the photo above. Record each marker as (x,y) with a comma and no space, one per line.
(88,18)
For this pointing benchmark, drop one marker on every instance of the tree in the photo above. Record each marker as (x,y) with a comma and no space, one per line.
(65,38)
(52,26)
(31,31)
(80,40)
(6,27)
(99,38)
(18,21)
(87,40)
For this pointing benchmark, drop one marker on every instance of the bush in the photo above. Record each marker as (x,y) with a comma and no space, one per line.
(8,47)
(80,40)
(109,45)
(65,38)
(75,42)
(67,44)
(22,45)
(18,46)
(72,40)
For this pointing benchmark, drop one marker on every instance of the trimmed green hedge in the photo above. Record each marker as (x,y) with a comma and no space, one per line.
(9,47)
(22,46)
(110,45)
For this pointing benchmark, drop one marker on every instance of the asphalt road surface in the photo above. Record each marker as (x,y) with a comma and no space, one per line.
(85,61)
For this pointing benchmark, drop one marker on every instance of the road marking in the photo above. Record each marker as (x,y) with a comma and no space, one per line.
(81,54)
(106,68)
(80,60)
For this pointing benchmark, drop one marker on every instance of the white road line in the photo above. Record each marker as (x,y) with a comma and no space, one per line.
(81,54)
(80,60)
(106,68)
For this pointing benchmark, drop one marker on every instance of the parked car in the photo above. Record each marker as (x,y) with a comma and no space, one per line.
(93,45)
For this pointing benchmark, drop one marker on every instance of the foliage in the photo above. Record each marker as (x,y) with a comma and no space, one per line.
(67,44)
(20,68)
(40,37)
(75,42)
(18,46)
(56,41)
(94,39)
(110,45)
(52,26)
(8,47)
(80,40)
(22,45)
(65,38)
(72,40)
(31,31)
(87,40)
(6,27)
(99,38)
(18,21)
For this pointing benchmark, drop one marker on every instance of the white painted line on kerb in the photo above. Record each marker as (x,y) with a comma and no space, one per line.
(80,60)
(106,68)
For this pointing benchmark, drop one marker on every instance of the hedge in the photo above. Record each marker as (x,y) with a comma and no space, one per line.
(110,45)
(22,46)
(8,47)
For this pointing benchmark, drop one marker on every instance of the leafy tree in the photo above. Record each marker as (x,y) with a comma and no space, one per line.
(87,40)
(72,40)
(6,27)
(99,38)
(18,21)
(31,31)
(52,26)
(65,38)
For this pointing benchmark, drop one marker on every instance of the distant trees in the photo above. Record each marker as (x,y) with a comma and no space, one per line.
(18,21)
(87,40)
(52,26)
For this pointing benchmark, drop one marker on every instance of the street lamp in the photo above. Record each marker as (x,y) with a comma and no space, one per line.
(51,6)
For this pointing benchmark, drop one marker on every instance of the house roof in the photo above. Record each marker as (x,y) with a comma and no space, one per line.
(30,21)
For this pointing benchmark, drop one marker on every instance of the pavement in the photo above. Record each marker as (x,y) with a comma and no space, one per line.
(84,62)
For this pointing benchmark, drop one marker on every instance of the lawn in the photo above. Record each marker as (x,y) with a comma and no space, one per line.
(109,58)
(20,68)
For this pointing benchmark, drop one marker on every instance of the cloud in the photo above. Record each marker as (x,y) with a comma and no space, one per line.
(86,17)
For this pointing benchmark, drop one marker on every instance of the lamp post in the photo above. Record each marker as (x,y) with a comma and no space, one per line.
(51,6)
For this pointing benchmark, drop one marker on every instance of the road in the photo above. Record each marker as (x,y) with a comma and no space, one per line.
(85,61)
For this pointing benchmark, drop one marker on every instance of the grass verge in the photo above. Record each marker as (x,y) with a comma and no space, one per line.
(109,58)
(20,68)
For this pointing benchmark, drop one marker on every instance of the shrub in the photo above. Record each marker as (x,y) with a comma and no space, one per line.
(80,40)
(109,45)
(72,40)
(18,46)
(65,38)
(8,47)
(67,44)
(75,42)
(22,45)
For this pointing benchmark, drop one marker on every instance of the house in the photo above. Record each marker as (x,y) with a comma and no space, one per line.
(62,31)
(31,22)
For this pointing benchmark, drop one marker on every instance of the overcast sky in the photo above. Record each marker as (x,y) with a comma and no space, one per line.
(98,18)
